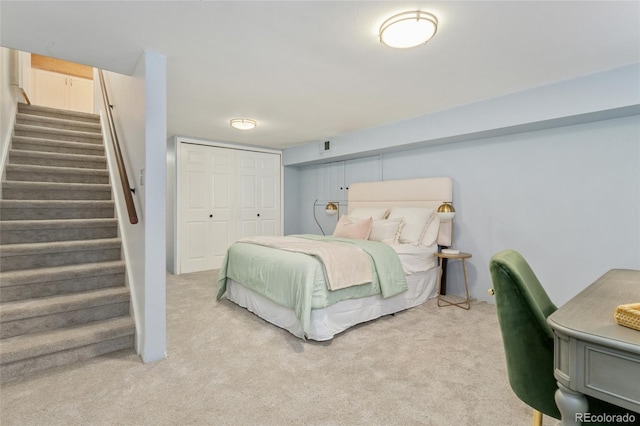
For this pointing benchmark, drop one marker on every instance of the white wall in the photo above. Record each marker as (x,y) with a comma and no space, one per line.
(140,116)
(9,97)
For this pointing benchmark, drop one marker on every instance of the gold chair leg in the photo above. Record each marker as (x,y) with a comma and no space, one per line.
(537,418)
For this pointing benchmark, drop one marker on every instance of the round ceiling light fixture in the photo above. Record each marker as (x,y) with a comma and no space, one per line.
(243,123)
(408,29)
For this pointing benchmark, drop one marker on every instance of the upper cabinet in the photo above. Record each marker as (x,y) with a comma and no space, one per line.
(56,90)
(334,178)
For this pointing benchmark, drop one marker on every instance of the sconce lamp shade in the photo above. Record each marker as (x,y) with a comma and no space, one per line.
(331,209)
(446,212)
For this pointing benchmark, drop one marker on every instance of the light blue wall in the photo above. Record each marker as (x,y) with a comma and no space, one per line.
(608,94)
(548,194)
(567,197)
(291,202)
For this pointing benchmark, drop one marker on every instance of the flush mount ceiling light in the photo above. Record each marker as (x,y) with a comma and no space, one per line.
(408,29)
(243,123)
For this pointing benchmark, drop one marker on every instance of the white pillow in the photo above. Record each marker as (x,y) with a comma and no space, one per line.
(432,231)
(373,213)
(358,229)
(386,230)
(416,220)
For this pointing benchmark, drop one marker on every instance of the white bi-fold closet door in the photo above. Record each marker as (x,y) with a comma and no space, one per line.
(224,194)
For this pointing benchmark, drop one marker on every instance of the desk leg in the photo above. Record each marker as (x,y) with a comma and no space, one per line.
(570,404)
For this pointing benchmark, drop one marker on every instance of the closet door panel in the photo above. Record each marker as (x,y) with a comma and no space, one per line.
(195,202)
(220,232)
(207,201)
(224,194)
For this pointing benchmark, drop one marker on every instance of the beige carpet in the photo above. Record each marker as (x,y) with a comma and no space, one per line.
(225,366)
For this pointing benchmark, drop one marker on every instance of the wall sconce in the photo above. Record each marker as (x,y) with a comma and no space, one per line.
(331,208)
(446,213)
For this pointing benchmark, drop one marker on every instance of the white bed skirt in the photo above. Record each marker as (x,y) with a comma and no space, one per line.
(329,321)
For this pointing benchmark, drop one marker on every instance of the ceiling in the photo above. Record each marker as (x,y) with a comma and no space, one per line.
(310,70)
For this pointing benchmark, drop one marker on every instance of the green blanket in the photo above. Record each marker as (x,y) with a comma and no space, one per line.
(296,280)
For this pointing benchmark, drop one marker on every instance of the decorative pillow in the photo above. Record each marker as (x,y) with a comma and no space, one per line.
(416,220)
(386,230)
(358,229)
(373,213)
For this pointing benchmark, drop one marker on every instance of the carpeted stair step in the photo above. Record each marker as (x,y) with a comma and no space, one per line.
(31,353)
(25,143)
(57,123)
(37,158)
(57,134)
(55,209)
(45,255)
(41,231)
(49,313)
(21,190)
(31,173)
(58,113)
(44,282)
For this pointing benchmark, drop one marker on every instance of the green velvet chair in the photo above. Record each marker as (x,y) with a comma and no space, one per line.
(523,307)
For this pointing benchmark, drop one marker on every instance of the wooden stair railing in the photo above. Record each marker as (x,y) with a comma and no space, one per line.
(127,191)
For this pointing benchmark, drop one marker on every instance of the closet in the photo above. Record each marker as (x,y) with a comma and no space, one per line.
(334,178)
(222,193)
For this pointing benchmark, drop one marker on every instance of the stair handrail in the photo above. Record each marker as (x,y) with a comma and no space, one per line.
(127,191)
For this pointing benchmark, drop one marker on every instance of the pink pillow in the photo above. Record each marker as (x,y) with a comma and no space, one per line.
(358,229)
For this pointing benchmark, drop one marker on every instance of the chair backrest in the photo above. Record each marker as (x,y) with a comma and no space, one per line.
(523,307)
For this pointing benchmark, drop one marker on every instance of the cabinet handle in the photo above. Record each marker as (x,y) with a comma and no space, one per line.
(258,214)
(210,215)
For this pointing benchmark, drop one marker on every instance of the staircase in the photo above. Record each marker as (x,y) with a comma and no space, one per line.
(63,297)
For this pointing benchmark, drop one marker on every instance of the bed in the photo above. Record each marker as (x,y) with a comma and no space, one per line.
(292,288)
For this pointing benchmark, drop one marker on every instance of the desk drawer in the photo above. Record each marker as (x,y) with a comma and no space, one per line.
(610,375)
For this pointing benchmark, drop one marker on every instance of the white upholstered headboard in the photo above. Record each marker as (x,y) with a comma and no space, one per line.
(424,192)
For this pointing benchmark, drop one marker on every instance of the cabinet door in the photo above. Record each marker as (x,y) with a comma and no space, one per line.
(331,181)
(55,90)
(258,189)
(50,89)
(206,197)
(80,94)
(365,169)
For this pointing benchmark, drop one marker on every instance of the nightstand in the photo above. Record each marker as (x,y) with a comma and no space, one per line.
(462,256)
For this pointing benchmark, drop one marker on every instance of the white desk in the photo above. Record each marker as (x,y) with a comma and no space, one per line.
(594,355)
